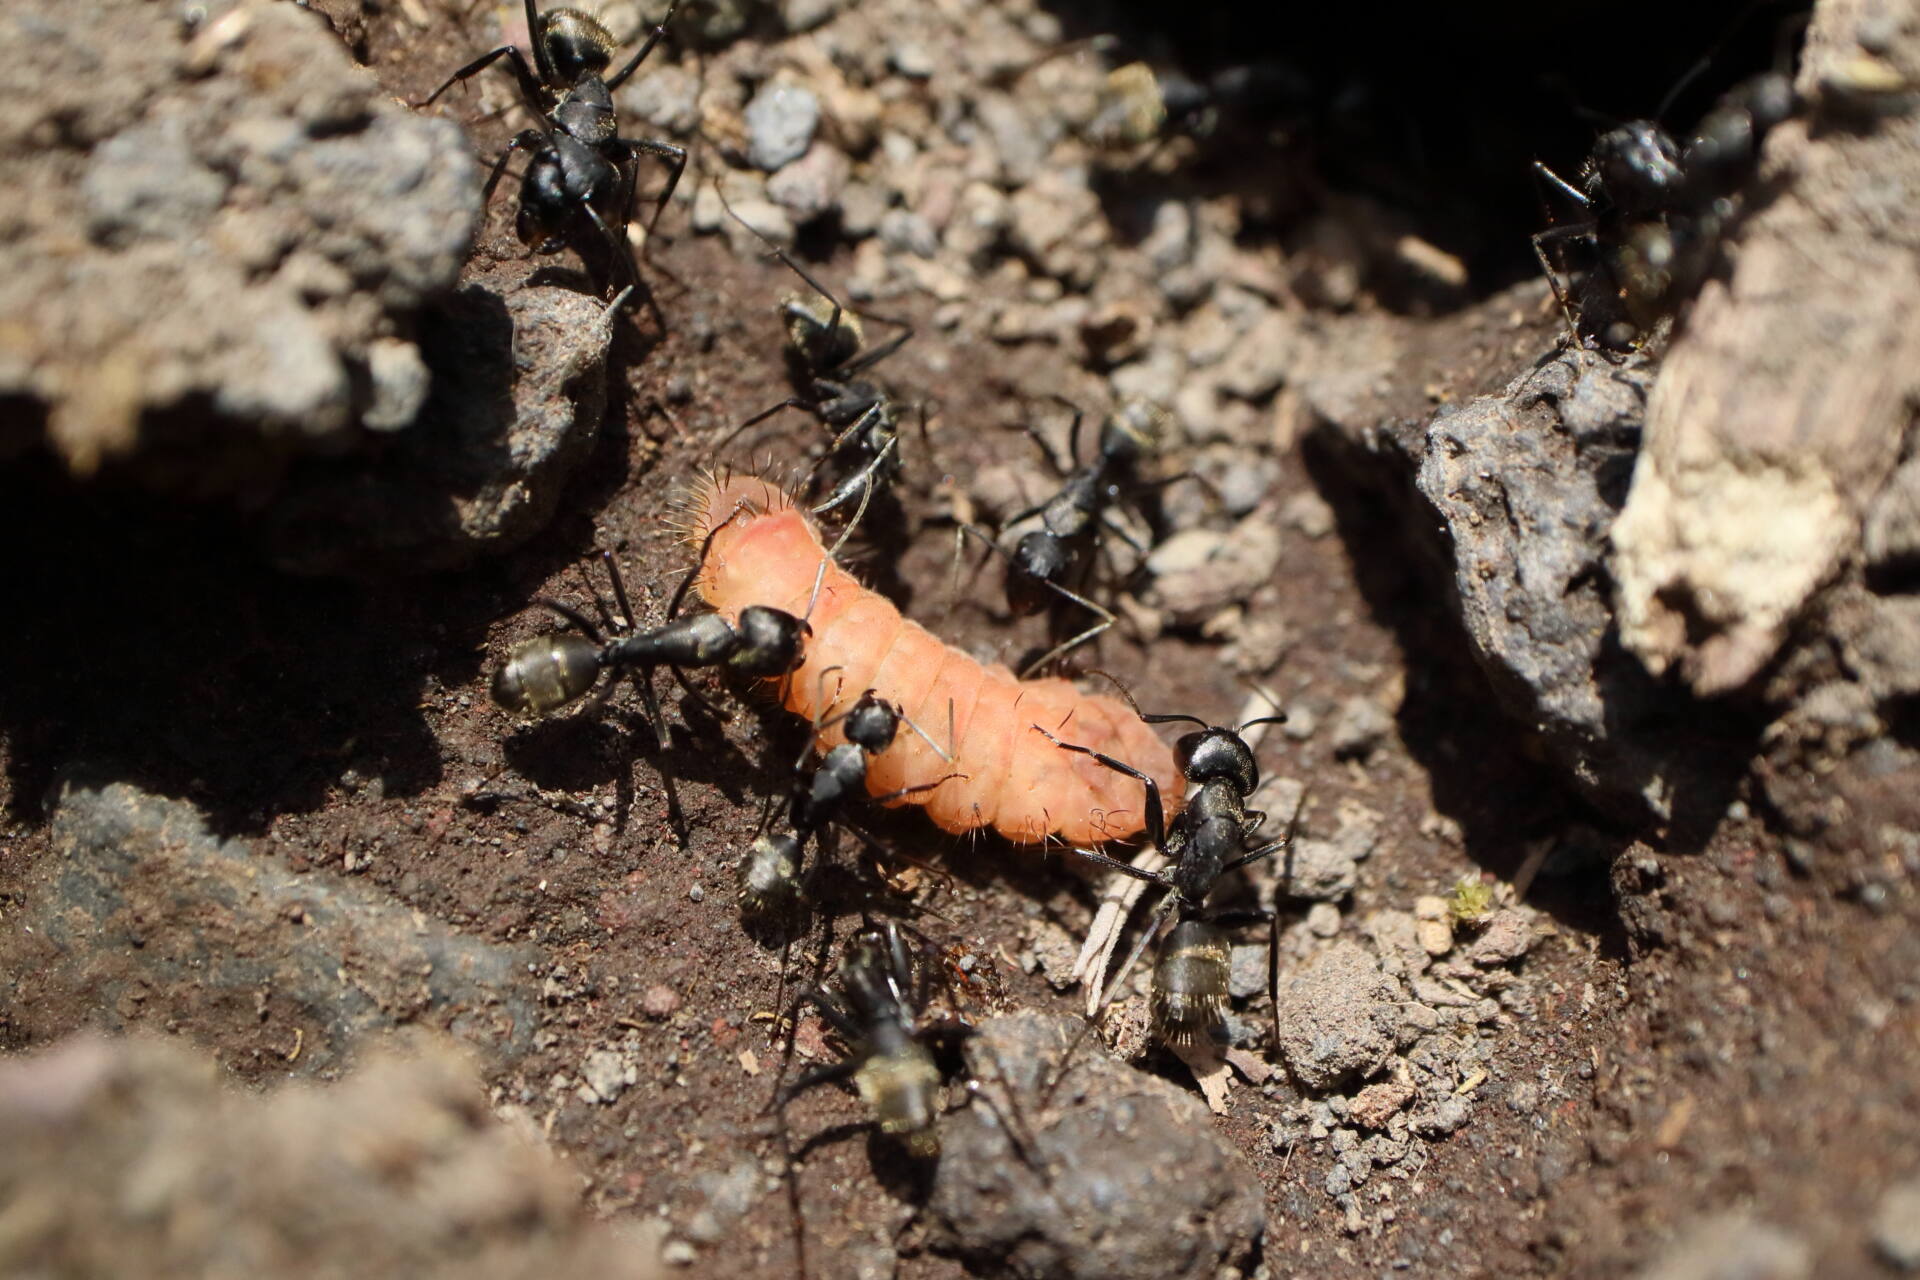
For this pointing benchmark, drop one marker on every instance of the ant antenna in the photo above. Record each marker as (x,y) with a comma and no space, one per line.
(1150,719)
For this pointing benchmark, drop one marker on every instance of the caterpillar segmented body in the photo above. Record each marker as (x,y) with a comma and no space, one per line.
(768,552)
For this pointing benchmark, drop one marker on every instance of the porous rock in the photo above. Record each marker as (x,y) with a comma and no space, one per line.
(157,917)
(134,1157)
(1111,1160)
(1732,1246)
(221,219)
(1337,1018)
(1528,483)
(1783,408)
(519,390)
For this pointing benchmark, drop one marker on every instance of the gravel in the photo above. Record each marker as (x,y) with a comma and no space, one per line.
(781,120)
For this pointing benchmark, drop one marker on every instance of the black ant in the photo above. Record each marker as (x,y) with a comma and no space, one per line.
(549,672)
(1208,840)
(1043,561)
(1657,211)
(880,1016)
(825,361)
(772,875)
(578,164)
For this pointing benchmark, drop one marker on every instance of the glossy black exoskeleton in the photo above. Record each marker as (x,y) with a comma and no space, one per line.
(1209,839)
(580,171)
(1657,211)
(827,362)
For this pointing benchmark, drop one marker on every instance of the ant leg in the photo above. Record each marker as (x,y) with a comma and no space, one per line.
(1540,240)
(522,141)
(650,701)
(821,725)
(1060,650)
(818,1076)
(921,789)
(1156,812)
(529,85)
(900,967)
(540,58)
(1133,543)
(706,703)
(619,589)
(619,250)
(791,402)
(864,477)
(873,357)
(1273,846)
(676,158)
(1053,459)
(575,617)
(1117,901)
(633,64)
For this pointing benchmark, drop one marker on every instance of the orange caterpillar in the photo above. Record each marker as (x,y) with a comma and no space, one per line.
(768,552)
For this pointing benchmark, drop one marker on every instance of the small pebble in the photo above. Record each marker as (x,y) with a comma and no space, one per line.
(811,185)
(1323,920)
(659,1001)
(1361,726)
(1896,1225)
(1506,938)
(677,1253)
(911,59)
(780,124)
(696,894)
(1377,1104)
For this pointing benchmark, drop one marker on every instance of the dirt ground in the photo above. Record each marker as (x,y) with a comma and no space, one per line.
(1698,1061)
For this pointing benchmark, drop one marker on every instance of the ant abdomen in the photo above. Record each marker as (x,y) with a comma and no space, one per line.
(546,673)
(1190,985)
(770,880)
(902,1091)
(576,44)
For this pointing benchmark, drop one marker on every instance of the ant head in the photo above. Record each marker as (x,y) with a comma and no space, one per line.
(816,342)
(1636,167)
(575,45)
(1039,559)
(546,673)
(1217,754)
(872,723)
(770,641)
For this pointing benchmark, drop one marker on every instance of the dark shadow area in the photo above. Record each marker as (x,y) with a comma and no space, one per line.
(151,633)
(1434,111)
